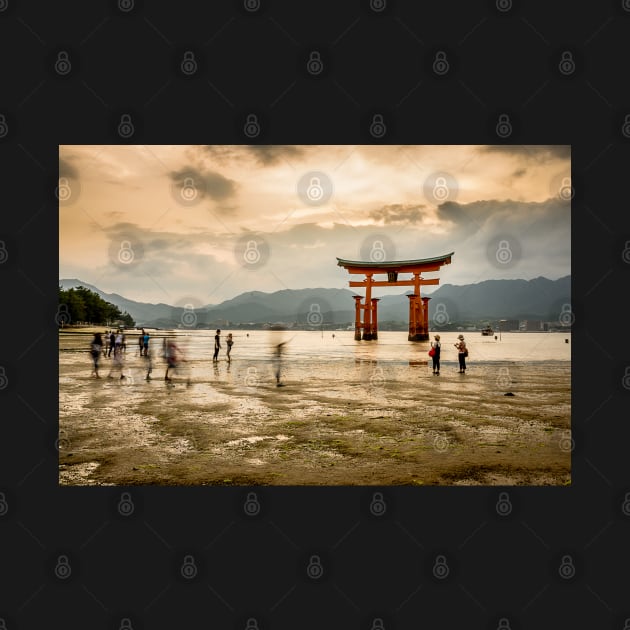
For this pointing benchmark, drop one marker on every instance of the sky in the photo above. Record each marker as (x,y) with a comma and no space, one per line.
(203,223)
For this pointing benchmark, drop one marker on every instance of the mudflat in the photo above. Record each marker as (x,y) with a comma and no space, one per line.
(347,424)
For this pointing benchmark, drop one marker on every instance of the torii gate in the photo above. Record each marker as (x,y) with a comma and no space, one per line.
(418,305)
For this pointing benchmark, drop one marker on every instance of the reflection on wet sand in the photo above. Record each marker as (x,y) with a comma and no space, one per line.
(367,416)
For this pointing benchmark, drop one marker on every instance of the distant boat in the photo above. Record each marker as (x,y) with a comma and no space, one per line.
(487,332)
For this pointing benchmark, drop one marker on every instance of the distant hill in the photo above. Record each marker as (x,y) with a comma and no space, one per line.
(539,298)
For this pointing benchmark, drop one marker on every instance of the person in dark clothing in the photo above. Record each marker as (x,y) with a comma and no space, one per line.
(436,357)
(462,352)
(217,346)
(112,343)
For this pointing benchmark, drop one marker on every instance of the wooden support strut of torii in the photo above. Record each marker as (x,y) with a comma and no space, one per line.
(418,305)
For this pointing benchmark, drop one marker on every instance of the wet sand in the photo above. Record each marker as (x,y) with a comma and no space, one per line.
(356,423)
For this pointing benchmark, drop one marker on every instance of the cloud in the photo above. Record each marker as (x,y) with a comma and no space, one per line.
(536,152)
(208,183)
(262,154)
(269,154)
(397,213)
(66,169)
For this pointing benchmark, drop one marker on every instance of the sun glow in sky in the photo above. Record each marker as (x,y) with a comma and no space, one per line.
(161,223)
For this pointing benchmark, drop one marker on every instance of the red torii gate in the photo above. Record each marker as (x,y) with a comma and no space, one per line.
(418,305)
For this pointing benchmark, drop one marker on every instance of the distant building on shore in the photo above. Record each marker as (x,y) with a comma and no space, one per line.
(507,325)
(531,325)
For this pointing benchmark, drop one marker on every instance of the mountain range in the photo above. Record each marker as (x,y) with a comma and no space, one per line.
(539,298)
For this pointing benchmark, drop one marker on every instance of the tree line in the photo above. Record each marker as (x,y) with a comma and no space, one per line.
(83,305)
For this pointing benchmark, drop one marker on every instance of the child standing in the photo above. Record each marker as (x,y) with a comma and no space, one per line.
(229,342)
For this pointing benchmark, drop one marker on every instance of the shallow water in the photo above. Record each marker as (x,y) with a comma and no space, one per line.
(320,349)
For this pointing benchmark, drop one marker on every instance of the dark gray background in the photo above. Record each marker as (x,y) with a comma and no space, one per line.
(129,567)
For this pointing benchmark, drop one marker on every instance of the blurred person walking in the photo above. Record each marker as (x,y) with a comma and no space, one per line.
(95,350)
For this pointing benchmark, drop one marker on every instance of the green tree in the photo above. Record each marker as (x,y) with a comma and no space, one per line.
(84,305)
